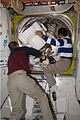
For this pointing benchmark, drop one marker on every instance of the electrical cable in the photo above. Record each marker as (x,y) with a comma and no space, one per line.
(4,102)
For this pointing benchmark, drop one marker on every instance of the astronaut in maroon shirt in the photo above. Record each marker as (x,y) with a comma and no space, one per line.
(20,84)
(19,57)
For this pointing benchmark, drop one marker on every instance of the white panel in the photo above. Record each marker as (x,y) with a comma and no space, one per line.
(74,109)
(60,116)
(5,33)
(66,99)
(65,86)
(61,105)
(4,52)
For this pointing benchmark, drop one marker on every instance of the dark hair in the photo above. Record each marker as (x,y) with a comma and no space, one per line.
(62,31)
(12,44)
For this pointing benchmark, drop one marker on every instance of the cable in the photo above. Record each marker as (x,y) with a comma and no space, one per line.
(4,101)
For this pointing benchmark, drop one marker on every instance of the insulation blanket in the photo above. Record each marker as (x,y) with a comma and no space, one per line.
(29,38)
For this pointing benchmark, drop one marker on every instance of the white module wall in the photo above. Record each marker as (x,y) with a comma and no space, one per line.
(67,103)
(4,52)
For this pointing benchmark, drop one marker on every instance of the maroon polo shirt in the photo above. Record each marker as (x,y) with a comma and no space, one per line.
(19,59)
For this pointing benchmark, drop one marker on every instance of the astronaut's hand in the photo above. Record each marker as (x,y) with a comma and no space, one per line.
(39,33)
(42,58)
(46,62)
(48,46)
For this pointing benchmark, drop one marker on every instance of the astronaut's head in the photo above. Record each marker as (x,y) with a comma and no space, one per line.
(13,44)
(62,32)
